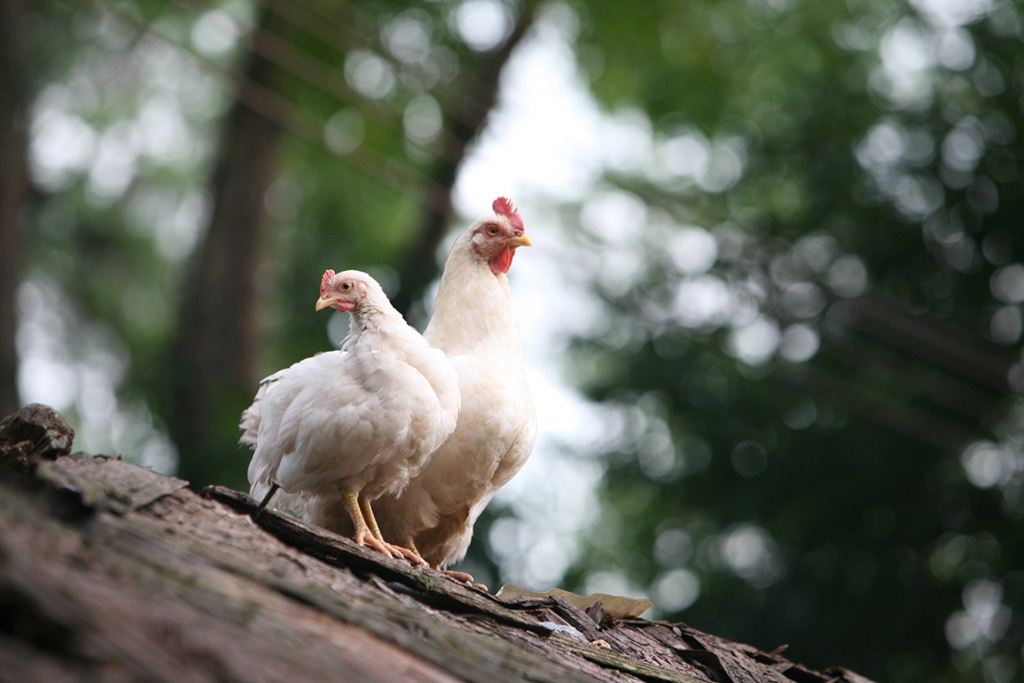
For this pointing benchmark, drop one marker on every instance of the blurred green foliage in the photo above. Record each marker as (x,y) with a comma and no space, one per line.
(823,440)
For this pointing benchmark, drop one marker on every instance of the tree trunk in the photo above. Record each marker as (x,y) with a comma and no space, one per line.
(218,342)
(13,189)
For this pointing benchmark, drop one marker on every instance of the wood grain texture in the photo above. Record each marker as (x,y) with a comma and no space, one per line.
(112,572)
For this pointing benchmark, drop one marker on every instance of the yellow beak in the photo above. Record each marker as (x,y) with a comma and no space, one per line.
(323,303)
(520,241)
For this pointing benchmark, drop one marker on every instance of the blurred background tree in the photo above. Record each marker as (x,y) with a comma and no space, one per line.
(779,250)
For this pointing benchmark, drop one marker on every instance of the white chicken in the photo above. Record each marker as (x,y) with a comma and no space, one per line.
(475,325)
(339,429)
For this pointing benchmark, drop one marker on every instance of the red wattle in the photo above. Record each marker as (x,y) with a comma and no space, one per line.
(503,261)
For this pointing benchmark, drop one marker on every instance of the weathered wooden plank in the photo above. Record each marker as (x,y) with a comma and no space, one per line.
(107,483)
(110,601)
(431,586)
(158,583)
(477,649)
(609,658)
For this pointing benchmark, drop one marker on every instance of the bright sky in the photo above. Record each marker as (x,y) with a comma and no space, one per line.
(542,148)
(548,144)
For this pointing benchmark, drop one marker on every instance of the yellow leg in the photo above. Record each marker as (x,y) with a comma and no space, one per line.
(371,520)
(363,536)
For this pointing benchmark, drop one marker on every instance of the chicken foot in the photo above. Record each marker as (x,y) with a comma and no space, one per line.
(398,551)
(462,577)
(364,535)
(410,552)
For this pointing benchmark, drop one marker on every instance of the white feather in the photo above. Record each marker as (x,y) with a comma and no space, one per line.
(475,325)
(360,420)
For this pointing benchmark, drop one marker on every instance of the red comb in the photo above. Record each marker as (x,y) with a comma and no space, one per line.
(503,207)
(328,276)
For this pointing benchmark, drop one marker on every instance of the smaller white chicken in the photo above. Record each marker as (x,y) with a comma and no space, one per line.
(349,426)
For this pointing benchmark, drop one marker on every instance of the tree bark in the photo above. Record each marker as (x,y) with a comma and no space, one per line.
(153,582)
(14,189)
(218,341)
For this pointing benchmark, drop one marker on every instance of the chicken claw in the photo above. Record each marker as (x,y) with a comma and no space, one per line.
(463,577)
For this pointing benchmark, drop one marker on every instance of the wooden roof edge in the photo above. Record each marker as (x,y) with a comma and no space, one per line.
(36,443)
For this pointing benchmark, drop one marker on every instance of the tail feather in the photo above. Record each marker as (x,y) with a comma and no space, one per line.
(250,423)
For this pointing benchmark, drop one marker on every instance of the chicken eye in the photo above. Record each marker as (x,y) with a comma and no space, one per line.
(493,230)
(345,286)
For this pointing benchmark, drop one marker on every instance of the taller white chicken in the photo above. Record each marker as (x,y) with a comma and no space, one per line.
(475,325)
(339,429)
